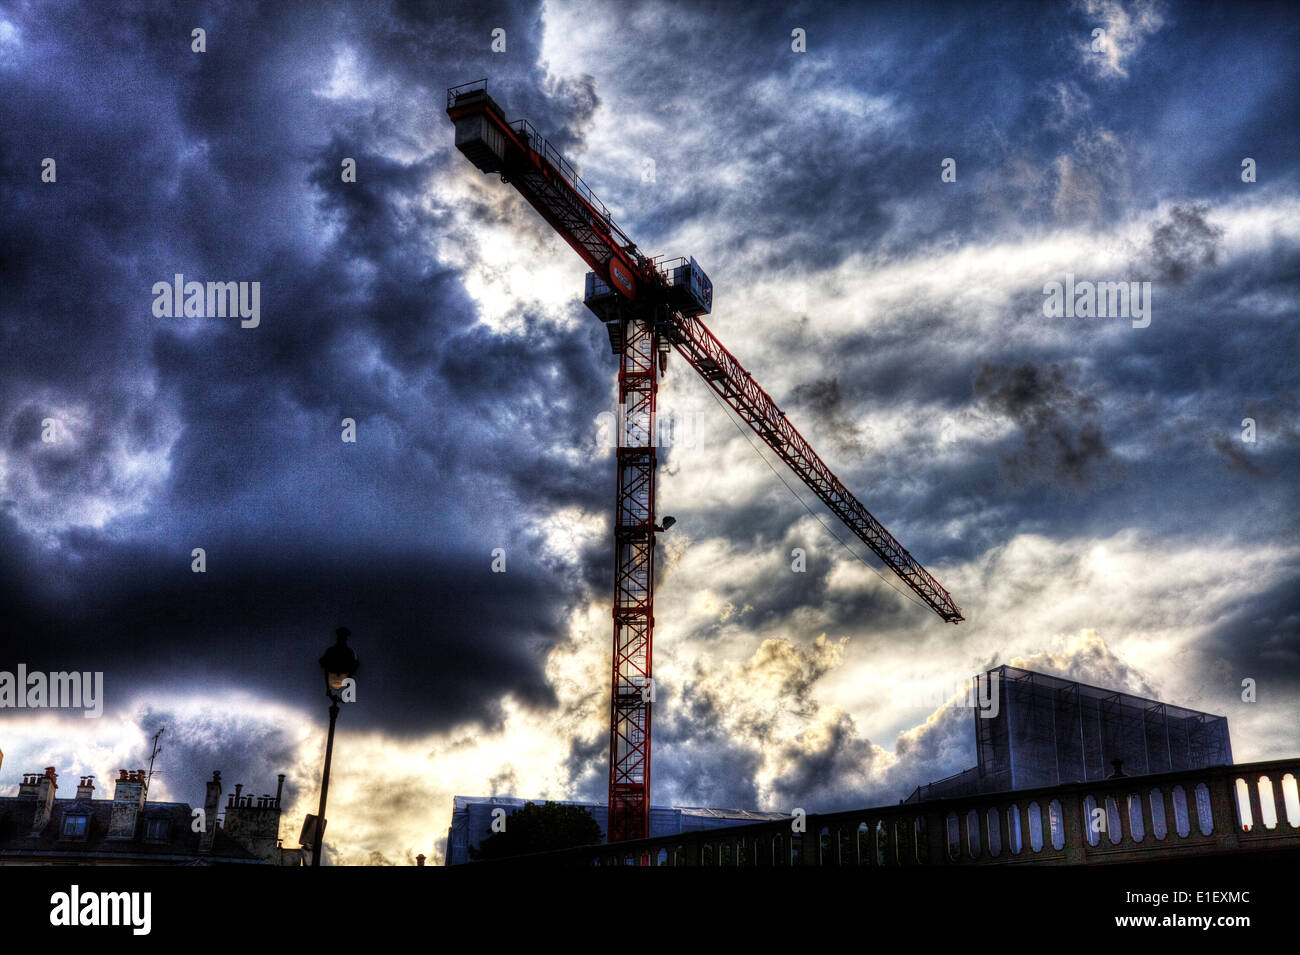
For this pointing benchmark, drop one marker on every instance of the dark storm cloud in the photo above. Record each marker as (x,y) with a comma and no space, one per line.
(1277,419)
(936,743)
(717,738)
(1235,455)
(823,399)
(187,760)
(439,643)
(225,166)
(710,766)
(814,772)
(1185,242)
(587,765)
(575,101)
(1060,434)
(1260,638)
(503,783)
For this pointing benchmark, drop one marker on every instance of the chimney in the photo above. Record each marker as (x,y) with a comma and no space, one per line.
(128,800)
(27,789)
(86,788)
(211,804)
(45,786)
(254,821)
(419,860)
(279,790)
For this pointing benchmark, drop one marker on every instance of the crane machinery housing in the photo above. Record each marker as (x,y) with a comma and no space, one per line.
(649,306)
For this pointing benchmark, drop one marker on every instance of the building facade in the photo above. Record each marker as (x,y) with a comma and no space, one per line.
(37,827)
(1043,730)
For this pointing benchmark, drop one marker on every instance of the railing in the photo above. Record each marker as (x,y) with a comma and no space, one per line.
(1249,807)
(542,146)
(666,268)
(538,142)
(456,91)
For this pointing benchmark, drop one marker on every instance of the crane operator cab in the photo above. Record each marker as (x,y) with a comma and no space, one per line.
(689,289)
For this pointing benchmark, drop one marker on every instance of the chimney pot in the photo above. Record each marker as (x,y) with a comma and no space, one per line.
(211,804)
(45,786)
(128,801)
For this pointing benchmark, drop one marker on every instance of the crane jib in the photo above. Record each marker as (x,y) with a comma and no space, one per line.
(737,387)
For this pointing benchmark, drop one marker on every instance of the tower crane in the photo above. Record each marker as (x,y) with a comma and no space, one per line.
(649,306)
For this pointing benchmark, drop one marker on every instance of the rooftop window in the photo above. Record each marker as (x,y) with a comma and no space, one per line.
(75,825)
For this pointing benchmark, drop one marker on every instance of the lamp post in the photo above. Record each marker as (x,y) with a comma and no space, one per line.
(338,664)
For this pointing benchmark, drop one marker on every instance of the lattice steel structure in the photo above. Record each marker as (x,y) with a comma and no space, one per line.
(634,569)
(1049,731)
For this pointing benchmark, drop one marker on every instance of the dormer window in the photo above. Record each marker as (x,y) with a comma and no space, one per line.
(157,830)
(75,825)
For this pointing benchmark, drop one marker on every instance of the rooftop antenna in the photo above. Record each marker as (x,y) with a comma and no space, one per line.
(152,756)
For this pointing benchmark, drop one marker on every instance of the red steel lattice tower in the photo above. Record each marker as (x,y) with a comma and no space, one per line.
(634,567)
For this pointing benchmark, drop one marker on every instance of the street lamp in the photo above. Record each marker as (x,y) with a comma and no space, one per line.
(338,664)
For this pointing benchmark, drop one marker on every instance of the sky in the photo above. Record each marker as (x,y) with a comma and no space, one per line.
(1087,488)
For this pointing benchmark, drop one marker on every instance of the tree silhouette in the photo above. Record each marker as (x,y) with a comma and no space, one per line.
(543,828)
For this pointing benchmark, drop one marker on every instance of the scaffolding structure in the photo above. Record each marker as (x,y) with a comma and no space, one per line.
(1049,731)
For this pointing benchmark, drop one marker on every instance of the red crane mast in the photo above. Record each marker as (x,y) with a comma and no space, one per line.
(649,307)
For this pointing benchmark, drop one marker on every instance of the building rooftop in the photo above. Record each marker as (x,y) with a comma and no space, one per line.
(1034,729)
(165,834)
(130,828)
